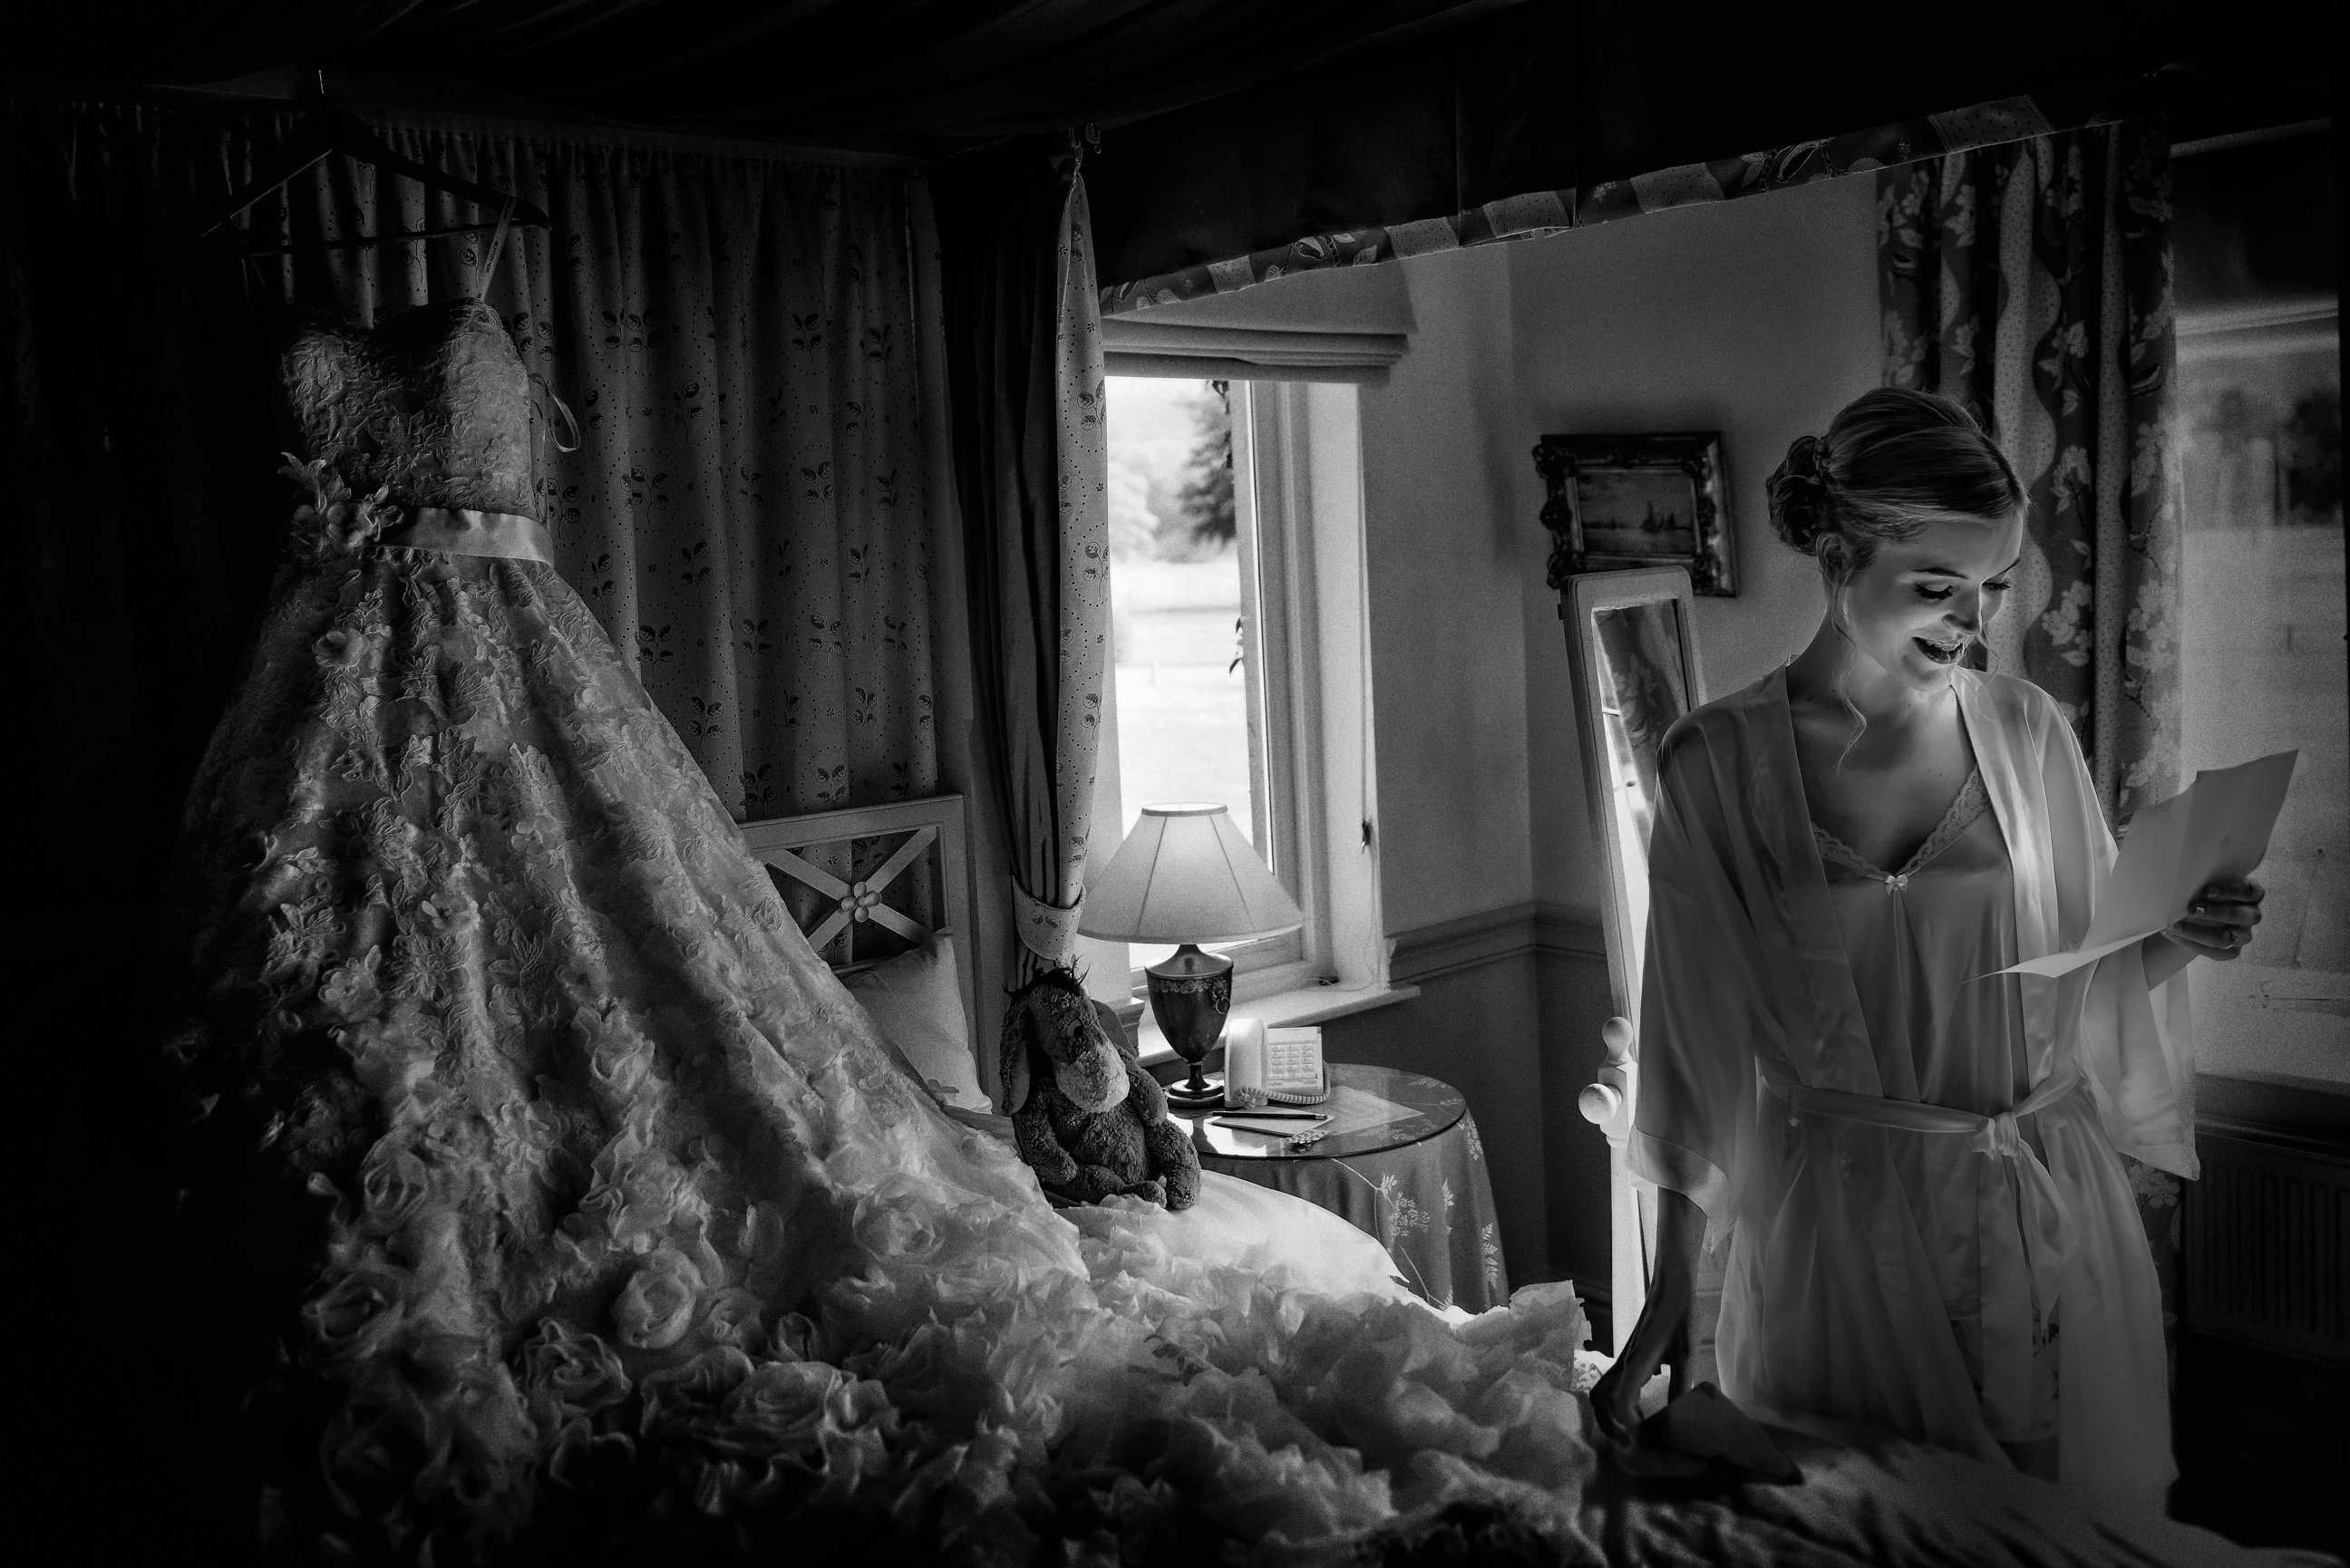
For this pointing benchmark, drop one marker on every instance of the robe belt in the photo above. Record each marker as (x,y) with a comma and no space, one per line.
(461,530)
(2023,1266)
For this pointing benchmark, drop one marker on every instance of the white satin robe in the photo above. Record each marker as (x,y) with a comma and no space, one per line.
(1760,1099)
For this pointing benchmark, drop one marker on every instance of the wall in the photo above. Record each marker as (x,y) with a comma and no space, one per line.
(1442,549)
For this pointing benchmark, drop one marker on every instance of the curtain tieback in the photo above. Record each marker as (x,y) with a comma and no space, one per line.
(461,530)
(2023,1263)
(1045,929)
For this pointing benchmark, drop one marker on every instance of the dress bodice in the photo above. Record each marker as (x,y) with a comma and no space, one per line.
(432,402)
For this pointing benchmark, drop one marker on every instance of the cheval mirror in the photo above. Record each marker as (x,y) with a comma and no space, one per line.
(1632,646)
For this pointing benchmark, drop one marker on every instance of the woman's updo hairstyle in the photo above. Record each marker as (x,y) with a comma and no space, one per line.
(1893,461)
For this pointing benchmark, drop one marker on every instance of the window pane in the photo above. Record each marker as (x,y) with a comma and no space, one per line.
(2261,651)
(1176,606)
(2258,428)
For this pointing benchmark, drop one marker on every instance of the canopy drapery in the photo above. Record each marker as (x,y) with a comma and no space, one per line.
(1244,134)
(2031,282)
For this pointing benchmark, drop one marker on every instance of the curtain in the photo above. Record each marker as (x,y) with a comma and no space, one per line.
(1025,383)
(2032,283)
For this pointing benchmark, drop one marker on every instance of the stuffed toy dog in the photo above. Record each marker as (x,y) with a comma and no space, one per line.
(1084,1115)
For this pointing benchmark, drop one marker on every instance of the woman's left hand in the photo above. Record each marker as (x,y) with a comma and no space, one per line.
(2218,923)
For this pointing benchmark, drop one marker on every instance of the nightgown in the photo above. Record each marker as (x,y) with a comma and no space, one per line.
(1914,1166)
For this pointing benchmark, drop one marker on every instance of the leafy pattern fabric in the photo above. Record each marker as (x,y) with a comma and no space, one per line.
(2032,283)
(748,510)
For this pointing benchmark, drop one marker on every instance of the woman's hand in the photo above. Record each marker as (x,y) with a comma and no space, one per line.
(2218,923)
(1662,1332)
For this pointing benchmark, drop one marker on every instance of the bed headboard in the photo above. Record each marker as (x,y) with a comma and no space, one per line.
(868,882)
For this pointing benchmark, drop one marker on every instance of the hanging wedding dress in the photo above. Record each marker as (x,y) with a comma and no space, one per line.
(609,1204)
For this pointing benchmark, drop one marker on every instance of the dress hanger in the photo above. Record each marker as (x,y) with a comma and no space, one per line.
(324,131)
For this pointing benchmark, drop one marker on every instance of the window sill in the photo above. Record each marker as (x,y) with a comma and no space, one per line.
(1291,1009)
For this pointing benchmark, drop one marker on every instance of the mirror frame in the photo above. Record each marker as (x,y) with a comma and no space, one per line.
(1610,1101)
(1583,594)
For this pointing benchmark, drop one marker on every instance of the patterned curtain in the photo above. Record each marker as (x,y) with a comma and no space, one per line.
(1027,381)
(747,507)
(2032,283)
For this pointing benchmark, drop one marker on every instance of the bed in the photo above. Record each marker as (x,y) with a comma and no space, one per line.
(882,890)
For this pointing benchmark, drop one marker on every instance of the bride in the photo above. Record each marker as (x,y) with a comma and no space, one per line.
(607,1208)
(1930,1231)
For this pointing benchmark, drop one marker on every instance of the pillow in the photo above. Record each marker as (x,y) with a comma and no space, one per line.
(916,1000)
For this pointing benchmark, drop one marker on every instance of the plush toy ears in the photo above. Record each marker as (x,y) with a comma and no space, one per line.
(1012,1049)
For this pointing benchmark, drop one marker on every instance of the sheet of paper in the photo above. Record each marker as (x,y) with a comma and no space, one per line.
(2214,830)
(1353,1110)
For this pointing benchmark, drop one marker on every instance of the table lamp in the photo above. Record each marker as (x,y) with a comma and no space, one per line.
(1185,875)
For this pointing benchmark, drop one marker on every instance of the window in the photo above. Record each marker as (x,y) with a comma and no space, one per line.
(1235,587)
(2258,434)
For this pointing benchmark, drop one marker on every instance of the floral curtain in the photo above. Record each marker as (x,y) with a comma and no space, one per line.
(747,507)
(2032,283)
(1027,381)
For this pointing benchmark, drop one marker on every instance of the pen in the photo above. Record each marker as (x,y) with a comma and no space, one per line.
(1270,1116)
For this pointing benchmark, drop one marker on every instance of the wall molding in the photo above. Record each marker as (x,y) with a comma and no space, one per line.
(1469,941)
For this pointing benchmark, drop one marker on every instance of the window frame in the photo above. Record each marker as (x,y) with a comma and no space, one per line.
(1274,500)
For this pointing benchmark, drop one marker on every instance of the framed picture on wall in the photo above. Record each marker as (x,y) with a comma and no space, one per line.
(1623,501)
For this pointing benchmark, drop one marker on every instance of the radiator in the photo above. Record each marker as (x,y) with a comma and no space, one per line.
(2267,1245)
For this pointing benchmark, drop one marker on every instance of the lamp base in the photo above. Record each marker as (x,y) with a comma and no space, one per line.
(1191,994)
(1208,1096)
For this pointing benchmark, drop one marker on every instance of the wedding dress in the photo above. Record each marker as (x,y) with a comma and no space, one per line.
(607,1201)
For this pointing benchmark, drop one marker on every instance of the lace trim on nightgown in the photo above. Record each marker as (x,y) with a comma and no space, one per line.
(1972,802)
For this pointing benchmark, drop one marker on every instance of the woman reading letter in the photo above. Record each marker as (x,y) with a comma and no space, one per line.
(1911,1157)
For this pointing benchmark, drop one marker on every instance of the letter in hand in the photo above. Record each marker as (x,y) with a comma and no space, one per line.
(2219,924)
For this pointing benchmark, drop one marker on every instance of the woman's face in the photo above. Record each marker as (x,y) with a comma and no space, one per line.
(1915,608)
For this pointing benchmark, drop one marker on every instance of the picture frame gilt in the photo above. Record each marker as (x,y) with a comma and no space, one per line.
(1622,502)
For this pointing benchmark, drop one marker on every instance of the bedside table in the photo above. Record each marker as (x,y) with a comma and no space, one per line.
(1407,1166)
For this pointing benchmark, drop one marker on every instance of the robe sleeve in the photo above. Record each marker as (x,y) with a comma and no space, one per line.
(2136,1047)
(1695,1106)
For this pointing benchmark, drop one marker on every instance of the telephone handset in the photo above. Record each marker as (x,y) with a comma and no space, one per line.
(1282,1066)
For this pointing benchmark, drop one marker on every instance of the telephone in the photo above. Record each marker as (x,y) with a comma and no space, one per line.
(1293,1073)
(1281,1065)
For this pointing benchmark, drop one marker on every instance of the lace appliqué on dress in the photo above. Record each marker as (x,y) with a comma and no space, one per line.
(1972,801)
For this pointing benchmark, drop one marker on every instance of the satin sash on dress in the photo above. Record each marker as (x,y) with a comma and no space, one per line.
(2016,1288)
(459,531)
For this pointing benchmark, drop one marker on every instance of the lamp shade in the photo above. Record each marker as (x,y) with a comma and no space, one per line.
(1186,875)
